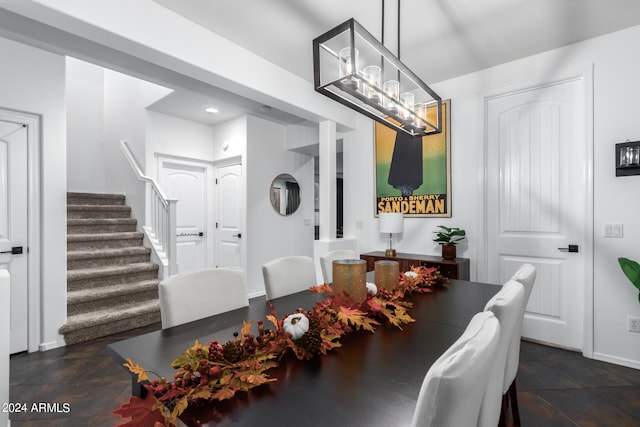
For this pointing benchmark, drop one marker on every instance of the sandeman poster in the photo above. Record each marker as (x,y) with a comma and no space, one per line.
(413,175)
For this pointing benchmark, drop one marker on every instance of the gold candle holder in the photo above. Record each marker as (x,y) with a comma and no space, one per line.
(349,278)
(387,274)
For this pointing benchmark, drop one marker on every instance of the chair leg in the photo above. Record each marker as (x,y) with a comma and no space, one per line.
(504,412)
(513,396)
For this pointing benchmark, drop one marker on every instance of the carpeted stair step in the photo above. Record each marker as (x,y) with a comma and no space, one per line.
(111,285)
(105,257)
(105,297)
(87,278)
(88,326)
(95,199)
(79,242)
(100,225)
(98,211)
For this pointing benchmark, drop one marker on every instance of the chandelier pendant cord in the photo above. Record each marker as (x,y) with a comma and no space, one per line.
(382,36)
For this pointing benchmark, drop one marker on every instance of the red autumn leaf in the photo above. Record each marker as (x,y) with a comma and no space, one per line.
(143,412)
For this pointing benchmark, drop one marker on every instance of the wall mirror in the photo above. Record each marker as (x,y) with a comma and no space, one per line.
(285,194)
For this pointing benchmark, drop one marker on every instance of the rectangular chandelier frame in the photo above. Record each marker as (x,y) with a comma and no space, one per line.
(353,68)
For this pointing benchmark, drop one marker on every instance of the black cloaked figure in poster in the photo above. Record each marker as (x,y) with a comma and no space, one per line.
(405,172)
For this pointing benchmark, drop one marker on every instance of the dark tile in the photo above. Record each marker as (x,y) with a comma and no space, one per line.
(587,409)
(625,398)
(536,412)
(588,373)
(534,351)
(542,375)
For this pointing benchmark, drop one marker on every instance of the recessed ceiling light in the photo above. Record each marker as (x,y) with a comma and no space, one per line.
(211,110)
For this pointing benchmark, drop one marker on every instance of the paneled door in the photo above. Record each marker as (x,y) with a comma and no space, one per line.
(538,185)
(189,183)
(13,227)
(230,214)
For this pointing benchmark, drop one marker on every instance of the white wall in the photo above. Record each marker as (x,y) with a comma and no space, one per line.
(125,118)
(270,235)
(33,81)
(173,136)
(617,90)
(230,139)
(86,172)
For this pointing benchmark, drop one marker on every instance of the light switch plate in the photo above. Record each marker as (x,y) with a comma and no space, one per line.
(613,230)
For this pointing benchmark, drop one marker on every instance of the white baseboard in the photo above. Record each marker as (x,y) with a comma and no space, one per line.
(629,363)
(256,294)
(51,345)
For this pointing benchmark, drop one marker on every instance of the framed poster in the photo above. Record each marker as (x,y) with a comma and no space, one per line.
(413,175)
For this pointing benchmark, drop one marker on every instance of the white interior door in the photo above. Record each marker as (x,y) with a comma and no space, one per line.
(13,226)
(537,202)
(188,182)
(230,215)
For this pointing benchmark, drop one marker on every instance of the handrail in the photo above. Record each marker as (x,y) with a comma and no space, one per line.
(160,217)
(136,168)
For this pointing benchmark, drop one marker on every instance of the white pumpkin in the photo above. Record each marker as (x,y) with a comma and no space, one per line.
(411,274)
(296,324)
(372,288)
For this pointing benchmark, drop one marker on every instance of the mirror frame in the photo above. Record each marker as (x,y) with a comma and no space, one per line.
(275,197)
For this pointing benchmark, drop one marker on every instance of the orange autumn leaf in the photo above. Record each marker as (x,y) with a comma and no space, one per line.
(246,328)
(356,318)
(223,393)
(321,289)
(271,318)
(137,369)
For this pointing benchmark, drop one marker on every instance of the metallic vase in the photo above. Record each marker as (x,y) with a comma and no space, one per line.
(387,274)
(350,279)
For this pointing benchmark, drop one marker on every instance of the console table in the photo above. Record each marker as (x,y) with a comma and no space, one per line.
(457,268)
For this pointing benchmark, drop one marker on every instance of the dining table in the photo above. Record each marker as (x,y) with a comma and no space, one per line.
(372,380)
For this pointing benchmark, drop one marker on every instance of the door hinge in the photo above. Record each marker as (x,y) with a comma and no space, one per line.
(216,225)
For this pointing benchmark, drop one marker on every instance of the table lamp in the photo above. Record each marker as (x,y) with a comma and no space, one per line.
(391,222)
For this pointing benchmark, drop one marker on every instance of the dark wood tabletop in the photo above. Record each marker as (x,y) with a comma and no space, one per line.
(372,380)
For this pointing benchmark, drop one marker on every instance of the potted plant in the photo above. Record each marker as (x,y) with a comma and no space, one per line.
(631,269)
(448,238)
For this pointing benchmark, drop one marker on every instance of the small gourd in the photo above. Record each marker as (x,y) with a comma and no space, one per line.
(411,274)
(296,324)
(372,289)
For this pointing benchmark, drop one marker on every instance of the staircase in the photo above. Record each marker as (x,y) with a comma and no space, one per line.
(111,284)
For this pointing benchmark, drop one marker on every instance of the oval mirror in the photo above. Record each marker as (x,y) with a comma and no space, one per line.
(285,194)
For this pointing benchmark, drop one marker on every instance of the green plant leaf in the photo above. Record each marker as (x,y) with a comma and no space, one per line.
(631,269)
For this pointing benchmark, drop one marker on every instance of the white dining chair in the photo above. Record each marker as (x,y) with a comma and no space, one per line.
(326,261)
(452,391)
(199,294)
(526,275)
(507,306)
(287,275)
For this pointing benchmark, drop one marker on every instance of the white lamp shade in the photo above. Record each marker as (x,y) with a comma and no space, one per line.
(391,222)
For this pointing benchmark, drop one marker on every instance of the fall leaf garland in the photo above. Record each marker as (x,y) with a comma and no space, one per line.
(218,371)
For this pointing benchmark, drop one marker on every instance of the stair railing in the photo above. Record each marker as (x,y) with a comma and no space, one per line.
(160,217)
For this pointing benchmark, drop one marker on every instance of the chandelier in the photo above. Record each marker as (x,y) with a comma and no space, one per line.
(352,67)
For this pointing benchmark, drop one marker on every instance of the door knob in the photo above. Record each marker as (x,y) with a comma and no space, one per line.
(239,235)
(570,248)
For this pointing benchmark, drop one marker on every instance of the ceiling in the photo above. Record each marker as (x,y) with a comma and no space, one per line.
(190,105)
(439,39)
